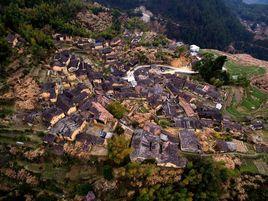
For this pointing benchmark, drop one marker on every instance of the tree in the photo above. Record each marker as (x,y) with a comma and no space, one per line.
(117,109)
(119,130)
(5,53)
(108,172)
(210,69)
(83,189)
(118,149)
(204,178)
(135,23)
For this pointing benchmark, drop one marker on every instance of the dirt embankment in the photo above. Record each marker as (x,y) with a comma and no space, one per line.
(261,82)
(180,62)
(24,91)
(242,59)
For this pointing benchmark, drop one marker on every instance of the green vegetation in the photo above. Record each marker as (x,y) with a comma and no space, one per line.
(114,30)
(164,123)
(258,194)
(136,24)
(160,40)
(118,149)
(210,69)
(201,180)
(117,109)
(83,189)
(248,167)
(5,53)
(107,172)
(6,107)
(119,130)
(35,21)
(251,103)
(207,23)
(6,112)
(243,71)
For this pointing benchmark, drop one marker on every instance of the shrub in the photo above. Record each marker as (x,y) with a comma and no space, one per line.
(5,112)
(118,149)
(83,189)
(107,172)
(116,109)
(164,123)
(135,124)
(119,130)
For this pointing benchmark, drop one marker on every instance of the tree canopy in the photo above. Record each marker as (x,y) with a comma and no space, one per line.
(211,69)
(118,149)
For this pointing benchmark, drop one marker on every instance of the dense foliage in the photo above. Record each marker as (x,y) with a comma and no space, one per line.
(118,149)
(211,69)
(249,12)
(5,53)
(116,109)
(208,23)
(202,180)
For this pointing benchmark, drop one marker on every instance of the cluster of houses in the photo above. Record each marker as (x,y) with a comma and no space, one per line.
(77,94)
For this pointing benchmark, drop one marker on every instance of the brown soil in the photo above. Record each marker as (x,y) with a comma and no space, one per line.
(239,92)
(25,91)
(243,59)
(261,82)
(96,23)
(180,62)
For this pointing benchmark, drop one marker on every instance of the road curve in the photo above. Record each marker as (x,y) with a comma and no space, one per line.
(165,69)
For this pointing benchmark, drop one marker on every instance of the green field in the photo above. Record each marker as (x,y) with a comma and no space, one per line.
(243,71)
(251,104)
(253,99)
(248,166)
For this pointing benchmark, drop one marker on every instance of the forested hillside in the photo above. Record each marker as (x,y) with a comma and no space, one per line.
(205,22)
(208,23)
(249,12)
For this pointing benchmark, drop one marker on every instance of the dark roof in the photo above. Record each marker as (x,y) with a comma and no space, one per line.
(57,63)
(94,75)
(73,62)
(190,85)
(149,146)
(63,59)
(189,123)
(10,38)
(49,138)
(185,96)
(106,50)
(80,97)
(261,148)
(90,139)
(210,113)
(86,105)
(189,141)
(51,112)
(221,146)
(67,125)
(64,102)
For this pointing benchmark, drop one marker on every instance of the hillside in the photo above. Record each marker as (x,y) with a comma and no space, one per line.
(96,105)
(210,24)
(206,23)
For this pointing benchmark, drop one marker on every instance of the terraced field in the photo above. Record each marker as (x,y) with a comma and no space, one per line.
(251,101)
(244,71)
(251,104)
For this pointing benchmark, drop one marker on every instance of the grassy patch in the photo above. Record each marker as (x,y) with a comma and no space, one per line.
(248,167)
(251,103)
(243,71)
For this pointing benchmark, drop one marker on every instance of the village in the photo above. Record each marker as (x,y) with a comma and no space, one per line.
(159,108)
(103,103)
